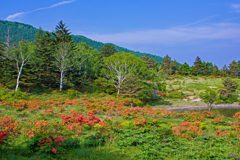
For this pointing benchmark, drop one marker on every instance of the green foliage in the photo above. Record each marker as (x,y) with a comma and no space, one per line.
(86,66)
(107,50)
(95,139)
(103,85)
(151,63)
(123,69)
(234,69)
(228,93)
(11,96)
(184,69)
(176,95)
(168,65)
(150,91)
(47,76)
(204,68)
(71,94)
(22,57)
(209,97)
(197,68)
(62,33)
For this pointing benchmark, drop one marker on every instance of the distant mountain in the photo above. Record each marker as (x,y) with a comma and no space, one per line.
(21,31)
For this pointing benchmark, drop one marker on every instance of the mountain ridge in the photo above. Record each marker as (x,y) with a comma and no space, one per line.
(21,31)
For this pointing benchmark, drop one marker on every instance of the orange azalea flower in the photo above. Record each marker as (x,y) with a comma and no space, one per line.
(237,115)
(30,135)
(186,130)
(101,123)
(221,133)
(140,122)
(217,120)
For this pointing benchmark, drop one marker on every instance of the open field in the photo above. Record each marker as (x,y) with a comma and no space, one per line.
(185,91)
(97,126)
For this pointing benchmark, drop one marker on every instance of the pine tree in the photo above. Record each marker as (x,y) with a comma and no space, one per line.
(197,67)
(62,33)
(184,69)
(167,65)
(6,70)
(47,75)
(151,63)
(225,70)
(234,69)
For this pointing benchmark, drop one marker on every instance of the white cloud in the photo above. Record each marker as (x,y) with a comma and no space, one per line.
(14,16)
(217,31)
(236,7)
(18,15)
(61,3)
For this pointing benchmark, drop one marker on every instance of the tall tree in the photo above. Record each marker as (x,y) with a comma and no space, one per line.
(86,66)
(168,65)
(225,70)
(63,51)
(62,33)
(121,68)
(45,53)
(22,55)
(198,66)
(234,69)
(151,63)
(63,60)
(228,93)
(184,69)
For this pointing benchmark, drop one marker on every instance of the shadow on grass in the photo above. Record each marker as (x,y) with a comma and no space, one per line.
(96,153)
(159,103)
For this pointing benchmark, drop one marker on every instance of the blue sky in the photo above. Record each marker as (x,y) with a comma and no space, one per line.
(182,29)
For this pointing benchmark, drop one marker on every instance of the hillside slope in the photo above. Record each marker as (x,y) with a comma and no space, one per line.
(20,31)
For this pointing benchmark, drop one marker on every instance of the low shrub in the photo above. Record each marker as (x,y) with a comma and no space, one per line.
(71,94)
(176,95)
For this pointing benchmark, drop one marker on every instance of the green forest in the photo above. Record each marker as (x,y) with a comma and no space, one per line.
(39,60)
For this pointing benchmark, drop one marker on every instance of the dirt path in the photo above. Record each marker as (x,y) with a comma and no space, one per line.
(196,108)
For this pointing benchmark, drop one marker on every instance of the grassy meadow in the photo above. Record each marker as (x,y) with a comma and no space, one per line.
(73,125)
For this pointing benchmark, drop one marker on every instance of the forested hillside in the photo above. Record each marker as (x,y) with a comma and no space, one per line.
(20,31)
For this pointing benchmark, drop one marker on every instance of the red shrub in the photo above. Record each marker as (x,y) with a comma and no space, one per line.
(237,115)
(77,118)
(221,133)
(3,136)
(186,130)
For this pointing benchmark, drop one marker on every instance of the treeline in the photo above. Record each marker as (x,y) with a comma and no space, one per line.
(54,61)
(200,68)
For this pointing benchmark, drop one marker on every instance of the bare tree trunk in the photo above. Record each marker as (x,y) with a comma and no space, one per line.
(61,81)
(209,107)
(118,91)
(18,77)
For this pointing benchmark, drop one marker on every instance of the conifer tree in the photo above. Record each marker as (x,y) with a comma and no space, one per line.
(234,69)
(47,75)
(167,65)
(197,67)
